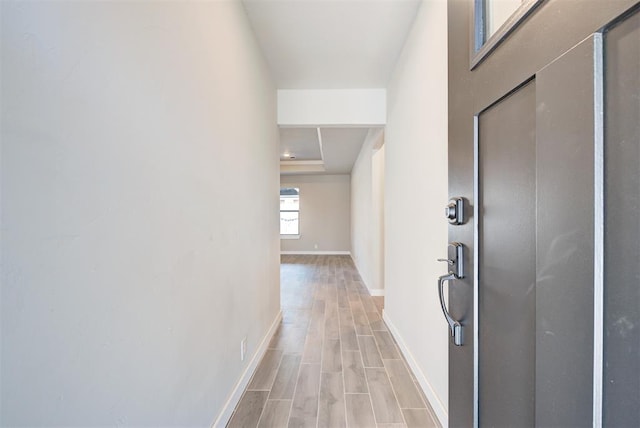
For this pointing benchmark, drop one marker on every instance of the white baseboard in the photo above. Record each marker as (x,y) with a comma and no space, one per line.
(319,253)
(436,404)
(236,395)
(377,292)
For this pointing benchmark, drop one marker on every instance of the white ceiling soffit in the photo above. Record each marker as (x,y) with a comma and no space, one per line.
(341,147)
(331,44)
(336,150)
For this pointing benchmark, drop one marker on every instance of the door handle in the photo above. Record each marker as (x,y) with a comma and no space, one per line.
(456,271)
(455,328)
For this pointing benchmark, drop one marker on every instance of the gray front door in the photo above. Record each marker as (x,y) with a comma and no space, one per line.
(544,148)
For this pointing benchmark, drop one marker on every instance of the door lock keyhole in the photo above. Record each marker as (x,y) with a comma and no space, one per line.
(454,211)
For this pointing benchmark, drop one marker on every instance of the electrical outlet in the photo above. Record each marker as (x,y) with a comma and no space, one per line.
(243,349)
(315,246)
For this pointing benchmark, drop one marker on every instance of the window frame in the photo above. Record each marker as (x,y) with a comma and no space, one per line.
(290,235)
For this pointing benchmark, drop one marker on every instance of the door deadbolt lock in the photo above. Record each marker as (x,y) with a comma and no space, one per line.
(454,211)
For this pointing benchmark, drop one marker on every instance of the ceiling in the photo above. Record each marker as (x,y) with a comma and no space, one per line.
(301,144)
(330,44)
(320,150)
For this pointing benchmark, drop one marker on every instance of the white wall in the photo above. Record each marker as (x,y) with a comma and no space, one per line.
(366,217)
(128,130)
(324,213)
(333,107)
(415,195)
(377,215)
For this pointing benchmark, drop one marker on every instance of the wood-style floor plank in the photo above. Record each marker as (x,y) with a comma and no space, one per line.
(289,338)
(313,347)
(331,356)
(296,317)
(367,303)
(285,381)
(359,411)
(403,385)
(332,323)
(304,411)
(419,418)
(379,302)
(275,414)
(385,406)
(249,409)
(331,411)
(355,380)
(266,372)
(343,300)
(378,325)
(347,330)
(370,355)
(386,345)
(317,315)
(332,362)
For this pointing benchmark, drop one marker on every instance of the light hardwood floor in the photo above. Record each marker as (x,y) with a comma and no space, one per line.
(332,362)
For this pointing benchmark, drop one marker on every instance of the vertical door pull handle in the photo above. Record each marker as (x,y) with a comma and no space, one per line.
(454,326)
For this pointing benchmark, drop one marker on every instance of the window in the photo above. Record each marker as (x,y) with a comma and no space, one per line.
(290,211)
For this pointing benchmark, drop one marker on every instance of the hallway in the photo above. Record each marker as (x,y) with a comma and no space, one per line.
(332,363)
